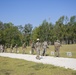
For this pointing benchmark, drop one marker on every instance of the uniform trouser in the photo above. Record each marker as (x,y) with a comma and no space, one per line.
(44,51)
(38,53)
(57,54)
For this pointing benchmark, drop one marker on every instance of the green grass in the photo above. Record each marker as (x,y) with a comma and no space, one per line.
(63,50)
(9,66)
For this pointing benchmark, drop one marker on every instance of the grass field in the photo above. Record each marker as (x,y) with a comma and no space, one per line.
(63,50)
(9,66)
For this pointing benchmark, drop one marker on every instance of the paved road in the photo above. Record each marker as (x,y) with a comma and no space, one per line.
(57,61)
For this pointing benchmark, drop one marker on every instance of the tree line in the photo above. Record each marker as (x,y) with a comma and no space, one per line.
(64,30)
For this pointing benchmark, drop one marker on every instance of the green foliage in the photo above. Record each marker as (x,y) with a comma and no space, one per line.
(27,33)
(64,30)
(44,31)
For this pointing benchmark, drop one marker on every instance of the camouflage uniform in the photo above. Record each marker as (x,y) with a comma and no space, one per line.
(45,45)
(32,47)
(57,47)
(38,46)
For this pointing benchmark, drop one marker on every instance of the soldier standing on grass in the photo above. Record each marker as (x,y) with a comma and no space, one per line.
(32,47)
(45,46)
(38,46)
(57,47)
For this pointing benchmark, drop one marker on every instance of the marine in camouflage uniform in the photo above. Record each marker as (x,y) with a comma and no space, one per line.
(32,47)
(44,46)
(57,48)
(38,46)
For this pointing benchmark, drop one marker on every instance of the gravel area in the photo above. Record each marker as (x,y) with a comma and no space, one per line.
(56,61)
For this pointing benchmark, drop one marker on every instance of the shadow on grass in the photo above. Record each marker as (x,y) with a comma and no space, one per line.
(6,72)
(42,66)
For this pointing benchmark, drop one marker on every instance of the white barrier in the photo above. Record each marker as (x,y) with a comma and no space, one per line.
(69,54)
